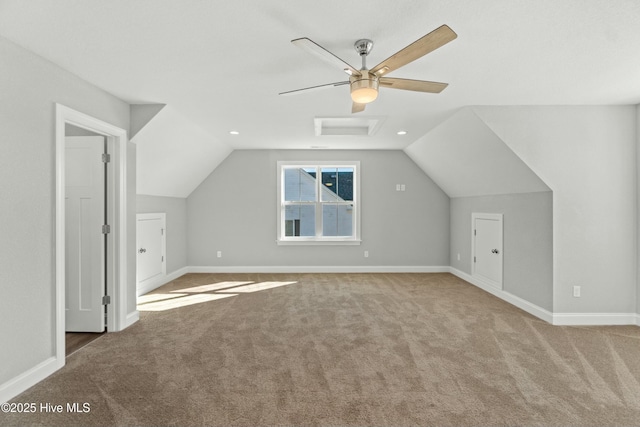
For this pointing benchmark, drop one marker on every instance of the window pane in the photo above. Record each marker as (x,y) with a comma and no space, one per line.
(300,220)
(337,220)
(299,185)
(337,184)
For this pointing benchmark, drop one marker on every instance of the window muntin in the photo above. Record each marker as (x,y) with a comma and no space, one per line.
(313,210)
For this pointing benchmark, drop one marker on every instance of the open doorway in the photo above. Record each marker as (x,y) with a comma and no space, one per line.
(116,242)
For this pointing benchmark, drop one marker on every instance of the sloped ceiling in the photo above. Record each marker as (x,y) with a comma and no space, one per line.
(141,115)
(466,158)
(174,155)
(219,65)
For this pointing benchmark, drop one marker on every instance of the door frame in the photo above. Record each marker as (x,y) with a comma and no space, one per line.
(116,214)
(490,217)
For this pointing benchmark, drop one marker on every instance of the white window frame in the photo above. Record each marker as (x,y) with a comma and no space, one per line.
(318,239)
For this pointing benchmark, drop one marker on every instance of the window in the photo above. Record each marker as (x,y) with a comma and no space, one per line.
(318,203)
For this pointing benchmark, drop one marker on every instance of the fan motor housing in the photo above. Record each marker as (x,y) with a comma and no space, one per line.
(364,88)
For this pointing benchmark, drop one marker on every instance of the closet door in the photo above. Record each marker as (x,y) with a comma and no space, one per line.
(151,258)
(84,234)
(487,248)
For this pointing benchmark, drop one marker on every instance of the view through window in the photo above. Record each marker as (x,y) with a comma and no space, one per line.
(318,202)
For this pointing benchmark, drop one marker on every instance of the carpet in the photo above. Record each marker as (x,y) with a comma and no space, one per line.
(342,350)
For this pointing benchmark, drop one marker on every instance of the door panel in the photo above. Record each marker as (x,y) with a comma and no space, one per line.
(150,249)
(84,241)
(487,248)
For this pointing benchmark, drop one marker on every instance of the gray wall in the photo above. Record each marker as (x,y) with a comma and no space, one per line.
(527,237)
(30,87)
(234,211)
(175,209)
(638,209)
(587,156)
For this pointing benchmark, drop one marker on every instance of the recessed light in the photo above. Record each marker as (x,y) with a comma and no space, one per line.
(402,132)
(234,132)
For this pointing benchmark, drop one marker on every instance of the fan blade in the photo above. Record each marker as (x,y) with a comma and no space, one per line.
(293,92)
(322,53)
(435,39)
(356,108)
(415,85)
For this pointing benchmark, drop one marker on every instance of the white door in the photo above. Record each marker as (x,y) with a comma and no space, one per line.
(151,262)
(487,248)
(84,239)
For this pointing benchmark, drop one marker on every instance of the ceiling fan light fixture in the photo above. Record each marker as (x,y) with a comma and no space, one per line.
(364,89)
(364,82)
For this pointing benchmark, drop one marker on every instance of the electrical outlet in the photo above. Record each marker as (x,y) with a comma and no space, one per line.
(576,291)
(219,254)
(458,257)
(402,187)
(366,254)
(397,187)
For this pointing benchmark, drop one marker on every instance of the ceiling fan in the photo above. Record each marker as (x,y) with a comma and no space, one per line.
(366,82)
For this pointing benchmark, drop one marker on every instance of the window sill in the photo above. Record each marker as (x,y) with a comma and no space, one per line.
(326,242)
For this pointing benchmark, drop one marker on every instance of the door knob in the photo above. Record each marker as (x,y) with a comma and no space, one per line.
(495,251)
(142,250)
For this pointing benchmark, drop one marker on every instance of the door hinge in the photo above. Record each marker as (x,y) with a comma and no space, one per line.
(106,300)
(162,231)
(474,259)
(106,158)
(162,258)
(106,229)
(475,233)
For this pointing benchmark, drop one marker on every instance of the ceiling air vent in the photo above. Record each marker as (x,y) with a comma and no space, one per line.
(347,126)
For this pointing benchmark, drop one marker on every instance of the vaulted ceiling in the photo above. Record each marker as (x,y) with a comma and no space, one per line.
(219,66)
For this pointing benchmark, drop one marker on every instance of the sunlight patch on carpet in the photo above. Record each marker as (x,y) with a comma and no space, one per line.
(204,293)
(144,299)
(182,302)
(212,287)
(260,286)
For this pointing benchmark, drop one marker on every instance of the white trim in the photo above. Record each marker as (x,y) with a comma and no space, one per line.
(117,311)
(319,242)
(522,304)
(132,318)
(564,319)
(162,280)
(33,376)
(594,319)
(319,269)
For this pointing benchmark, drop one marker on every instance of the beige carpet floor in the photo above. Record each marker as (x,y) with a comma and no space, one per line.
(343,349)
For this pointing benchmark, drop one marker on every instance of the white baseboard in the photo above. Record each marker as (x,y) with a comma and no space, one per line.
(155,283)
(595,319)
(319,269)
(29,378)
(564,319)
(522,304)
(131,319)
